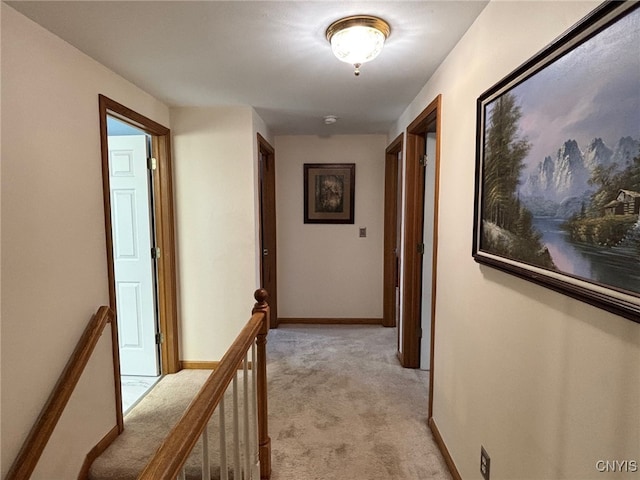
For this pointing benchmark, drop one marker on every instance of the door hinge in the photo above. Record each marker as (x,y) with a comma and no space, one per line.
(421,248)
(424,159)
(420,333)
(155,253)
(159,338)
(152,163)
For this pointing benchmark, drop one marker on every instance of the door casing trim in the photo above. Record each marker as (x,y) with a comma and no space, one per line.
(165,235)
(413,229)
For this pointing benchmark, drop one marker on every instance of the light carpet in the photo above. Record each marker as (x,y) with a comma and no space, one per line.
(342,407)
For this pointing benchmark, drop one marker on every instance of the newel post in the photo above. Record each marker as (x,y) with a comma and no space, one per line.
(264,441)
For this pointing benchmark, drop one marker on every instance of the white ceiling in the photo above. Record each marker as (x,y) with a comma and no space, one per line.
(271,55)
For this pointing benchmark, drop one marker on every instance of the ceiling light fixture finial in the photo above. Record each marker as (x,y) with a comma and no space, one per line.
(357,39)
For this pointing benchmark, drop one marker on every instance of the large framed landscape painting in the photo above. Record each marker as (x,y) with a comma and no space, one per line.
(558,165)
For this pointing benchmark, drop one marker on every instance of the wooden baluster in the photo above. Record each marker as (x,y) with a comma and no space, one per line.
(224,472)
(255,465)
(236,431)
(206,464)
(245,417)
(261,305)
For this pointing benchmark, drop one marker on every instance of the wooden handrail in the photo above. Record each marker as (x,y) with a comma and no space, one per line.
(39,435)
(174,450)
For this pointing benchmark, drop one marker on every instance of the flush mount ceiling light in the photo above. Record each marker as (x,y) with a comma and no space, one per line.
(357,39)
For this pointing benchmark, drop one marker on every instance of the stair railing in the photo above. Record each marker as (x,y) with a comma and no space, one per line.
(251,446)
(36,441)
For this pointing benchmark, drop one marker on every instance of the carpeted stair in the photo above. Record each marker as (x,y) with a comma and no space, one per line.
(149,422)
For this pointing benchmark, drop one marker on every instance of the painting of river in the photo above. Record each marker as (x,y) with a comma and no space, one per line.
(558,164)
(617,266)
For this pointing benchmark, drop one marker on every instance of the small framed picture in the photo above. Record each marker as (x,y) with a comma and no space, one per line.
(329,190)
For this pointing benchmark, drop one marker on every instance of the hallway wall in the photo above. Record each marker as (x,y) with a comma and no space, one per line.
(54,268)
(547,384)
(215,171)
(327,270)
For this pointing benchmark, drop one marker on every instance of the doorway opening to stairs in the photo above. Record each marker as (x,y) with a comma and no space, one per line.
(138,200)
(134,255)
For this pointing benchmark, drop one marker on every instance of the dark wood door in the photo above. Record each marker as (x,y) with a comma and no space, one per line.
(392,232)
(398,244)
(268,263)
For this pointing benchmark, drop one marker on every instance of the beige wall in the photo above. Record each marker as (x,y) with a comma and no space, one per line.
(328,271)
(549,385)
(216,209)
(54,269)
(553,385)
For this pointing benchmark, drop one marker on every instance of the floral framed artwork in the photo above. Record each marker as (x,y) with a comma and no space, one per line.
(558,165)
(329,192)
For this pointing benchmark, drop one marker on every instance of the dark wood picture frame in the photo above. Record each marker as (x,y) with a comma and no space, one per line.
(329,192)
(519,189)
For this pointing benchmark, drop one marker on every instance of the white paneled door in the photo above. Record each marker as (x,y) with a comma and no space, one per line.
(132,255)
(427,261)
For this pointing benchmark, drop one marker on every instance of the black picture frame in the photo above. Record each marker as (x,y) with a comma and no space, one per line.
(329,192)
(568,217)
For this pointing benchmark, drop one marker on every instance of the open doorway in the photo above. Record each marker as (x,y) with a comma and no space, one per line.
(421,241)
(138,200)
(429,241)
(134,258)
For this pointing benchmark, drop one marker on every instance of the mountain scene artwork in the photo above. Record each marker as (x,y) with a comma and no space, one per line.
(561,163)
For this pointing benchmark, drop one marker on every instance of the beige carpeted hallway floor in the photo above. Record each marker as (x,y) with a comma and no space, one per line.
(341,407)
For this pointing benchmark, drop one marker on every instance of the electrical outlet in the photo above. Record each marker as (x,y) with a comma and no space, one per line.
(485,463)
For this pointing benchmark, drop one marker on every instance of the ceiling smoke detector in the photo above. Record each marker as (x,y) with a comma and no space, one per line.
(330,119)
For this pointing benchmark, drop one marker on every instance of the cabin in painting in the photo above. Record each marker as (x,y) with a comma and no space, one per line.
(626,203)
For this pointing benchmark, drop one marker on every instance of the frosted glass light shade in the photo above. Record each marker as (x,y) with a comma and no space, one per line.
(357,39)
(356,45)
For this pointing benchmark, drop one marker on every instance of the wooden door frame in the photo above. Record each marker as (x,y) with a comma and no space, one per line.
(266,149)
(414,224)
(390,231)
(165,236)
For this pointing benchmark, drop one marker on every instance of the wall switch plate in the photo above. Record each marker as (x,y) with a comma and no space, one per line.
(485,463)
(363,231)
